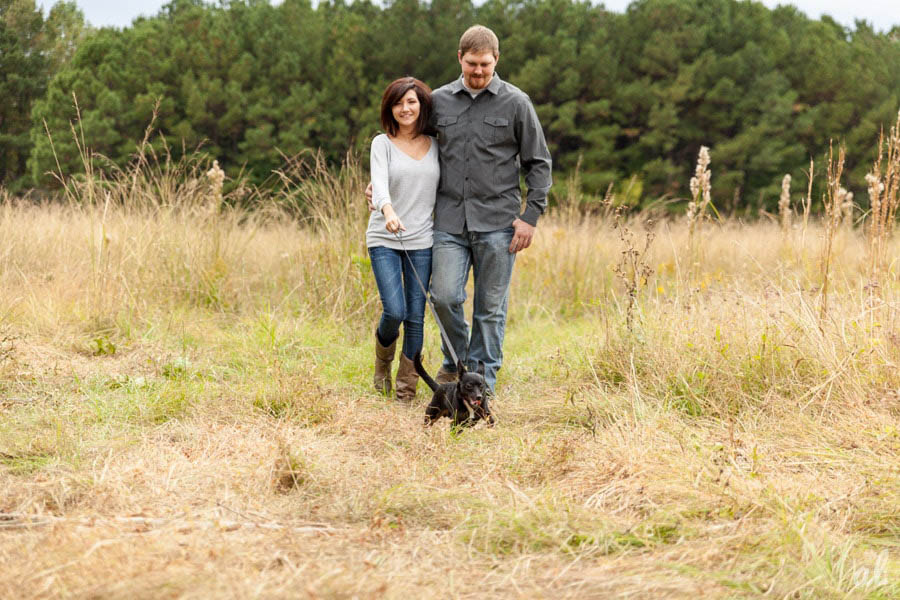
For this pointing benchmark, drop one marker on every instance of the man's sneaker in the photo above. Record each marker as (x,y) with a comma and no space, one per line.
(445,376)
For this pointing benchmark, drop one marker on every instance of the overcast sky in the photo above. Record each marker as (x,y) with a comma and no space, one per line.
(883,14)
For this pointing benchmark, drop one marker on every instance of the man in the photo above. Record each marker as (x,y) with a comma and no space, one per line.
(487,132)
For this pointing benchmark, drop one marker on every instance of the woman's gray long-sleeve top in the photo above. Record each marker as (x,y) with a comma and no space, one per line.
(410,186)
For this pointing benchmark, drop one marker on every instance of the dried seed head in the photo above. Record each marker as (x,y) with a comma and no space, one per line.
(703,159)
(691,210)
(845,204)
(216,178)
(700,192)
(786,186)
(784,203)
(700,182)
(876,186)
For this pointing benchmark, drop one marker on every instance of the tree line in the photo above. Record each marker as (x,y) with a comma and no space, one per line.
(32,50)
(627,99)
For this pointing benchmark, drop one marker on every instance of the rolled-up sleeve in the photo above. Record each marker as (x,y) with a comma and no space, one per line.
(378,163)
(535,161)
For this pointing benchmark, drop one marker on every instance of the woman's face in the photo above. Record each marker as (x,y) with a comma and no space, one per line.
(406,110)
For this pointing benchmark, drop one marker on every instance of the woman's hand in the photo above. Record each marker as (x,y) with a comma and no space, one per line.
(394,224)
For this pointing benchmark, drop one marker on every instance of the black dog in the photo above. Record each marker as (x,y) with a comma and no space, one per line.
(465,401)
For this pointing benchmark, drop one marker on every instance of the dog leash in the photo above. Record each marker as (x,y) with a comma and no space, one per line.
(430,302)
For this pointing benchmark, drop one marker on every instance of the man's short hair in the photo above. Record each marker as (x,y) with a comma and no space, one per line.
(479,39)
(393,94)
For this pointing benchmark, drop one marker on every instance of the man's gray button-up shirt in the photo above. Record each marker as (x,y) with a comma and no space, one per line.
(484,143)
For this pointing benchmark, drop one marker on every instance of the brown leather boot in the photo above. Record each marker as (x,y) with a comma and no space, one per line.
(407,379)
(384,355)
(445,376)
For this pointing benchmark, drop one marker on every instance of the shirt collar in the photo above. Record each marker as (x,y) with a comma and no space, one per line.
(493,87)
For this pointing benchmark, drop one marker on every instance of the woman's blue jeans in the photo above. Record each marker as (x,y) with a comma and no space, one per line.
(402,300)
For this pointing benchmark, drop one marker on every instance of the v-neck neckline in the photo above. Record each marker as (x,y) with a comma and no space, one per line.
(402,151)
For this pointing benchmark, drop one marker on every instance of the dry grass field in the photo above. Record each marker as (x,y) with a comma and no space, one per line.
(185,412)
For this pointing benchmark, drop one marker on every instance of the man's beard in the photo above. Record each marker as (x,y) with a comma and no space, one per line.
(477,82)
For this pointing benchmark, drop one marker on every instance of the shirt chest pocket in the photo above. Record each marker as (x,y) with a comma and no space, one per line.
(445,127)
(497,129)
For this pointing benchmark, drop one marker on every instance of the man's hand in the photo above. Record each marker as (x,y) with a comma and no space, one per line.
(369,197)
(521,237)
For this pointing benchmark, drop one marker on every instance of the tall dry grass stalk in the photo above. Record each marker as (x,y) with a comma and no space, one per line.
(807,202)
(326,199)
(633,269)
(833,202)
(569,206)
(883,183)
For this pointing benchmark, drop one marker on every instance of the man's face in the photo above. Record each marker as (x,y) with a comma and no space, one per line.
(477,68)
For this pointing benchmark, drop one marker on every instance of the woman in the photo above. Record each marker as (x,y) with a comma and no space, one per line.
(405,174)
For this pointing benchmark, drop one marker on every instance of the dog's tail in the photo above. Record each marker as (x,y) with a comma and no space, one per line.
(417,360)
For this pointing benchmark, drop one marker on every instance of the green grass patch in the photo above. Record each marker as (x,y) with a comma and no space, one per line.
(542,526)
(415,504)
(136,401)
(26,463)
(296,398)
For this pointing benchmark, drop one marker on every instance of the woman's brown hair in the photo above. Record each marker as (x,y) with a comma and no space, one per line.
(392,95)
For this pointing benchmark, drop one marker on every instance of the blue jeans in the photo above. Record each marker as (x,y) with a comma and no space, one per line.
(402,300)
(491,262)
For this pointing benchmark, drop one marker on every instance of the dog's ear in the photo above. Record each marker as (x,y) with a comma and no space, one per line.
(481,368)
(460,368)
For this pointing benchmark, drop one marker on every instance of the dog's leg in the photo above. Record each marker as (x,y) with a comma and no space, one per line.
(438,407)
(488,413)
(433,411)
(471,411)
(466,419)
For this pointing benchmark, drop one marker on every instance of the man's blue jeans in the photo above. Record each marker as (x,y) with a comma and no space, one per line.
(402,300)
(488,255)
